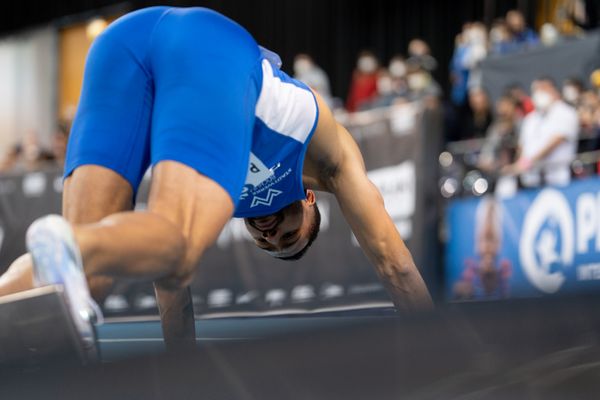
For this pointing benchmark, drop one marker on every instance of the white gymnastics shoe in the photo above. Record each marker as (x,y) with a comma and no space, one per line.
(57,261)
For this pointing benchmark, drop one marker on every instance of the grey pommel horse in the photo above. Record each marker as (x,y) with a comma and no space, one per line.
(36,328)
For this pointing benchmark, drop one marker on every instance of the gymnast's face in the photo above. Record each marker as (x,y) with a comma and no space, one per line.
(286,232)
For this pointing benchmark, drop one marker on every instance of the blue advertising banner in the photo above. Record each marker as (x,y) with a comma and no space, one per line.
(539,242)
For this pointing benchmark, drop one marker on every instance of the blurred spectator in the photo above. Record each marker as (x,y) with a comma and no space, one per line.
(522,35)
(595,80)
(11,159)
(364,81)
(470,50)
(570,16)
(459,74)
(499,147)
(24,156)
(310,73)
(397,67)
(421,85)
(32,153)
(548,138)
(386,92)
(391,84)
(29,155)
(549,35)
(572,88)
(524,103)
(588,111)
(477,51)
(58,151)
(479,116)
(398,71)
(419,53)
(501,38)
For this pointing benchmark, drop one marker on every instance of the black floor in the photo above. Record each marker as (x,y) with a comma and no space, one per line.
(539,349)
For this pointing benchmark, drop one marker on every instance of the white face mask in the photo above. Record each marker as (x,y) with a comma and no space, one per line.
(367,65)
(474,36)
(418,81)
(385,85)
(549,35)
(397,69)
(497,35)
(541,100)
(301,67)
(570,94)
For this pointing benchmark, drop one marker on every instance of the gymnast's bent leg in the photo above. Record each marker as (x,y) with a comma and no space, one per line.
(145,245)
(91,193)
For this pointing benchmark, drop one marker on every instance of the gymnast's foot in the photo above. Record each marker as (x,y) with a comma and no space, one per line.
(57,261)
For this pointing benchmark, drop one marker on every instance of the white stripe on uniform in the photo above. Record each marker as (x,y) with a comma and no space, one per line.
(284,107)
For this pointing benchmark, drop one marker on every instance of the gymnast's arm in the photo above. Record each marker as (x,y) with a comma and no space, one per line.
(342,173)
(177,317)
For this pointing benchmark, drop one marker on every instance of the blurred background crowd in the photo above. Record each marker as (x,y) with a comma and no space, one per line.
(496,132)
(504,135)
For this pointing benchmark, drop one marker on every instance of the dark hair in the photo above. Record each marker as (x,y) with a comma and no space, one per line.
(510,99)
(575,82)
(314,232)
(546,79)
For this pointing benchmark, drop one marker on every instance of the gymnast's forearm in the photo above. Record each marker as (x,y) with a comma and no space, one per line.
(404,284)
(379,239)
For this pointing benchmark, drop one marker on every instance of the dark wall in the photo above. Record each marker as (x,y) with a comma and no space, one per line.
(332,31)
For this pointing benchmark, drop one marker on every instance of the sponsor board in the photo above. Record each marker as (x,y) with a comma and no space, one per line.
(539,242)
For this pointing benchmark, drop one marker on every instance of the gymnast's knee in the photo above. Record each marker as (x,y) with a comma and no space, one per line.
(164,242)
(179,254)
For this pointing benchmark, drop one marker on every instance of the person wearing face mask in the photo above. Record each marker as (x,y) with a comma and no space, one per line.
(364,81)
(522,35)
(421,84)
(459,73)
(524,103)
(386,92)
(588,111)
(476,53)
(501,38)
(571,91)
(549,35)
(500,140)
(419,52)
(470,50)
(548,138)
(397,67)
(307,71)
(398,71)
(478,117)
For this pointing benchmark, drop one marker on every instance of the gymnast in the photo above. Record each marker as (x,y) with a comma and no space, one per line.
(189,93)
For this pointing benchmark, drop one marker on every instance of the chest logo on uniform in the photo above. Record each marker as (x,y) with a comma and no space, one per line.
(267,200)
(259,182)
(258,172)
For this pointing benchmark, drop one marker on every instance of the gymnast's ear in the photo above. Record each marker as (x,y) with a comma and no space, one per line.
(310,197)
